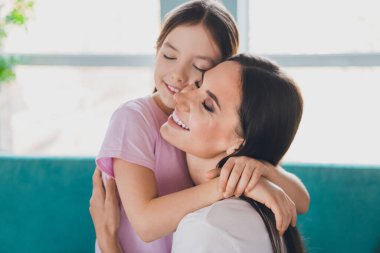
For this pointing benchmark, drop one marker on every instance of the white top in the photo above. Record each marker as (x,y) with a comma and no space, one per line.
(231,225)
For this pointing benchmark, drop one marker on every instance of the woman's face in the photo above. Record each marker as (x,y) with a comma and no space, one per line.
(186,52)
(205,119)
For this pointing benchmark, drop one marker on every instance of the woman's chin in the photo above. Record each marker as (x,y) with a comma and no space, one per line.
(166,133)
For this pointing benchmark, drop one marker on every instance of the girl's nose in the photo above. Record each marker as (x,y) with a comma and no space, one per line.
(179,76)
(188,88)
(183,99)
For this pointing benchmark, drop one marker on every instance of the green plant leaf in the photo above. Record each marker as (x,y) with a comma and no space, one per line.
(30,4)
(15,17)
(6,75)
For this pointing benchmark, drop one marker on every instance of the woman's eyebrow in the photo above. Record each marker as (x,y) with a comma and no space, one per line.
(215,98)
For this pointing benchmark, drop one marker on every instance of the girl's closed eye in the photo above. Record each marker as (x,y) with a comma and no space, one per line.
(169,57)
(199,69)
(198,84)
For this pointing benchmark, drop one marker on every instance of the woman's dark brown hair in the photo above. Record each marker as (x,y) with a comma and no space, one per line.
(270,113)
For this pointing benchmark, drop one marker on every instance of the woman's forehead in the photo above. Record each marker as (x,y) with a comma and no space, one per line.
(224,80)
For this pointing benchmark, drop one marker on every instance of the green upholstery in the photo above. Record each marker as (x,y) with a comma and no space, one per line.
(344,214)
(44,206)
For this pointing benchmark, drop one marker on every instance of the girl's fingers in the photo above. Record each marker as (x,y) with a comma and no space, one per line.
(288,220)
(213,173)
(97,183)
(294,214)
(287,223)
(254,179)
(233,179)
(243,182)
(111,190)
(285,216)
(279,219)
(98,194)
(225,174)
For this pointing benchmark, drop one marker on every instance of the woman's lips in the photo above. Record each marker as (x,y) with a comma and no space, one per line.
(172,123)
(177,122)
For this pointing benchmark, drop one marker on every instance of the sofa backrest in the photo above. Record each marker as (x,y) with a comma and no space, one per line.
(44,204)
(344,213)
(45,201)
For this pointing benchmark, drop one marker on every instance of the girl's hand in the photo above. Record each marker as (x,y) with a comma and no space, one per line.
(278,201)
(104,210)
(239,174)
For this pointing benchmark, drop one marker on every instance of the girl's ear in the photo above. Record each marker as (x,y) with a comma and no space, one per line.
(236,145)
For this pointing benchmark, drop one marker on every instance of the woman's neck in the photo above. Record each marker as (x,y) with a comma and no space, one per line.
(198,167)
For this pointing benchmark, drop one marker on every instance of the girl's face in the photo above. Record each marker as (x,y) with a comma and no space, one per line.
(205,119)
(186,52)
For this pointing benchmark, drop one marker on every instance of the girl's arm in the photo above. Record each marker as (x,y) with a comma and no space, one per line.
(241,174)
(291,184)
(275,199)
(151,216)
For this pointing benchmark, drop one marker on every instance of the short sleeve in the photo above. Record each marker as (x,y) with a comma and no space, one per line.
(130,136)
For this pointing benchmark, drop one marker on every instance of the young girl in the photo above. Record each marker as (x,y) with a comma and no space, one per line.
(149,172)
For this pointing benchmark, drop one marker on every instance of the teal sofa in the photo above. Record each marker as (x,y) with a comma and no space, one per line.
(44,206)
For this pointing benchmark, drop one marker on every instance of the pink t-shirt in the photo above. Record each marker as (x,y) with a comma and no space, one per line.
(134,135)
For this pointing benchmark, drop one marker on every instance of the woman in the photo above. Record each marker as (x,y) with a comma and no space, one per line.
(245,106)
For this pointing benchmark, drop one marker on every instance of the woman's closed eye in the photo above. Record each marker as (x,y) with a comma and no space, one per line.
(208,106)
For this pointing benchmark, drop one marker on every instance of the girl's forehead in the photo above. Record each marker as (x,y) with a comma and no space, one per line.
(193,38)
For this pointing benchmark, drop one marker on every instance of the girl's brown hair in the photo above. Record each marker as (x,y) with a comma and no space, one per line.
(213,15)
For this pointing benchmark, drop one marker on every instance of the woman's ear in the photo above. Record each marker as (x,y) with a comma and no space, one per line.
(236,145)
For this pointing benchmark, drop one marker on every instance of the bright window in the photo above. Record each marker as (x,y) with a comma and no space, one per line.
(64,110)
(340,122)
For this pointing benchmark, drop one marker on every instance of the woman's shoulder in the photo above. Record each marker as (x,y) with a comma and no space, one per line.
(242,217)
(230,223)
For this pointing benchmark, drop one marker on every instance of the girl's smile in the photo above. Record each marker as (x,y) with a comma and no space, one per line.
(173,90)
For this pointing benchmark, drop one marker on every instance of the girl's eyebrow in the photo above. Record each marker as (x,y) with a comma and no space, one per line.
(167,44)
(206,59)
